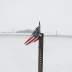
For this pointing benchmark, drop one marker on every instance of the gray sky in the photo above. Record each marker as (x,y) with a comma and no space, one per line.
(23,14)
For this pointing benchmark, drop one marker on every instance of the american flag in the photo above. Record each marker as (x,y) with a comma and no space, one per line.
(34,37)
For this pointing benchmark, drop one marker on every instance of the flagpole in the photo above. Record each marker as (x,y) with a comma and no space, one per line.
(37,35)
(40,53)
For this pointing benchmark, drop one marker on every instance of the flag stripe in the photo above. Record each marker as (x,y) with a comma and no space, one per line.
(31,41)
(36,39)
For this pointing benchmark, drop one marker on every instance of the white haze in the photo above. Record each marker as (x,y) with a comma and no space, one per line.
(25,14)
(16,57)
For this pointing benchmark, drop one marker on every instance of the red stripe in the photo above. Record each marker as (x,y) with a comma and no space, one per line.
(31,41)
(36,39)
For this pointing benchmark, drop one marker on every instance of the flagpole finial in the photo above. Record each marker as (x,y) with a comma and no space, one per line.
(39,26)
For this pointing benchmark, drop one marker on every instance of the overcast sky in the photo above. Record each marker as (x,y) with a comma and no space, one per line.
(25,14)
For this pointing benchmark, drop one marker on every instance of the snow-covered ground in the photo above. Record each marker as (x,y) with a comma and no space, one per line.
(16,57)
(57,54)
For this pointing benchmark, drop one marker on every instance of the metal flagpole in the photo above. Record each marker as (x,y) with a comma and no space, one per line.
(40,53)
(37,35)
